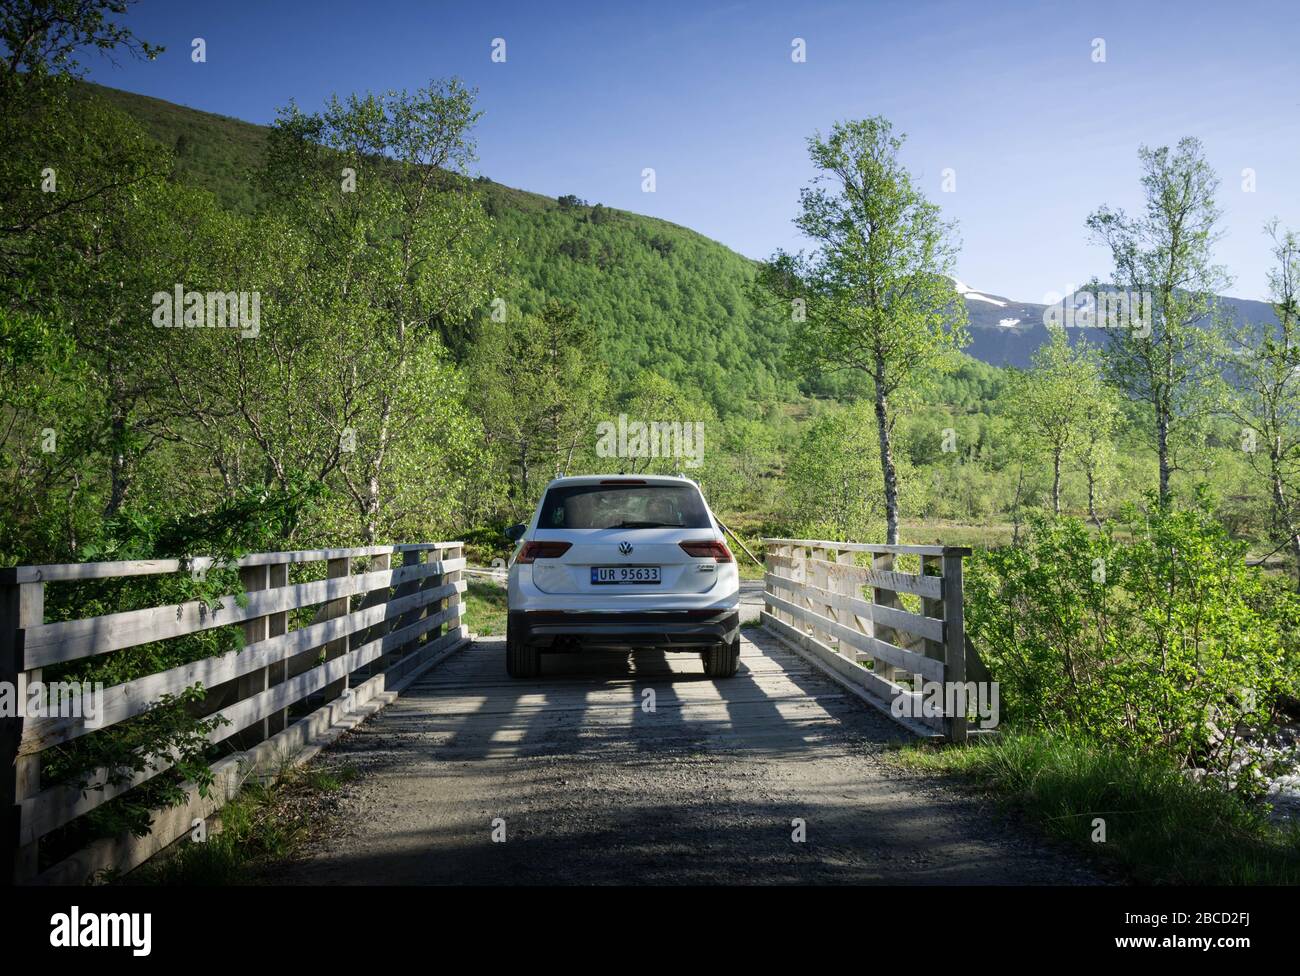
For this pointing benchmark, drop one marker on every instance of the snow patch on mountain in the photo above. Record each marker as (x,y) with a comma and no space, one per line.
(964,290)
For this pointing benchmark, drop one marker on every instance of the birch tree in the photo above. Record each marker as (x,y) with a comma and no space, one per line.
(1163,352)
(1263,363)
(1061,403)
(394,251)
(874,296)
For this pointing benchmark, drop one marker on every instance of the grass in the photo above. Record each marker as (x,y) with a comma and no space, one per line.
(485,608)
(263,824)
(1160,827)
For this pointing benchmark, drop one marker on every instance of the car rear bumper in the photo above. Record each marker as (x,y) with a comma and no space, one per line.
(617,630)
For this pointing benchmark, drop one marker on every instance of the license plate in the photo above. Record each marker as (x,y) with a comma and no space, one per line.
(601,575)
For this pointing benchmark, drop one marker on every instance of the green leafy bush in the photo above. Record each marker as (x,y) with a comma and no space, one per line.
(1154,635)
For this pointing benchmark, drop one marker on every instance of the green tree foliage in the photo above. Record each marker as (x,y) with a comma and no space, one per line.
(392,253)
(1159,639)
(538,389)
(44,37)
(832,481)
(88,222)
(874,296)
(1061,404)
(651,399)
(1163,352)
(1263,365)
(337,414)
(660,297)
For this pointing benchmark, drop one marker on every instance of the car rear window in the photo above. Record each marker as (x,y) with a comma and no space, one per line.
(628,506)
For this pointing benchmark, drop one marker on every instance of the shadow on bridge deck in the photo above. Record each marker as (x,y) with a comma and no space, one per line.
(594,786)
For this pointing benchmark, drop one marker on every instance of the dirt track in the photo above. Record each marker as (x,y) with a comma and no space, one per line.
(595,789)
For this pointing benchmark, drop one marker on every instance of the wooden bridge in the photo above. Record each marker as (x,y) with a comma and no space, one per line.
(329,637)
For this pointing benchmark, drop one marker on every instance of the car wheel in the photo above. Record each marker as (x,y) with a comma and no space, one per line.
(722,661)
(522,661)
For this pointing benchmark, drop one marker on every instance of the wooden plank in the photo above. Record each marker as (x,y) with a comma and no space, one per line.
(67,641)
(134,697)
(323,555)
(783,561)
(88,571)
(923,586)
(910,661)
(877,649)
(300,741)
(59,805)
(52,572)
(926,627)
(870,687)
(955,645)
(872,547)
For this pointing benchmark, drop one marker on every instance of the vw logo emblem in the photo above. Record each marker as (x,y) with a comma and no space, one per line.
(625,547)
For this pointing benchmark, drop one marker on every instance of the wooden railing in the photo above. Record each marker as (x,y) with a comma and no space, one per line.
(842,603)
(280,696)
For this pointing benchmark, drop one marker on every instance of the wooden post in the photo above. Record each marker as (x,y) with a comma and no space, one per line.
(277,575)
(430,609)
(932,608)
(336,569)
(770,568)
(954,636)
(799,578)
(23,606)
(819,577)
(455,576)
(412,557)
(883,562)
(254,578)
(846,584)
(374,598)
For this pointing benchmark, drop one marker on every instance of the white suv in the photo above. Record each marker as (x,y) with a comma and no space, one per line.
(614,562)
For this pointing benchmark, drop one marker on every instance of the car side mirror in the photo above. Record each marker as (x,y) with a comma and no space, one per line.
(516,532)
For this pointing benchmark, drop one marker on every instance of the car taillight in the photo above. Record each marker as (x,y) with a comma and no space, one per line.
(708,547)
(542,550)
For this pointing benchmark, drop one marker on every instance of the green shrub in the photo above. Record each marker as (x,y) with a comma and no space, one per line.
(1153,635)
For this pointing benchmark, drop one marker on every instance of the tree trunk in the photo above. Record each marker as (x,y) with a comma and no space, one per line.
(1056,481)
(118,476)
(1280,514)
(523,472)
(887,465)
(1162,449)
(1015,506)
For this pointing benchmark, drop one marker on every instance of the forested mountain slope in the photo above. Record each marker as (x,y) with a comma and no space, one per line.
(663,297)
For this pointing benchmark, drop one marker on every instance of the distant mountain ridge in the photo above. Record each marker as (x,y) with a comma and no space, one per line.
(1005,332)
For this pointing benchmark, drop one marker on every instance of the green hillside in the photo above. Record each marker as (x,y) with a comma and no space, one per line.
(215,152)
(663,297)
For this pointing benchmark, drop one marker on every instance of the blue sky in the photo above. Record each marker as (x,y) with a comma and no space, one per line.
(1006,94)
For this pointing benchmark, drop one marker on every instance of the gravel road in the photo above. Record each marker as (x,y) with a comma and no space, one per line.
(594,788)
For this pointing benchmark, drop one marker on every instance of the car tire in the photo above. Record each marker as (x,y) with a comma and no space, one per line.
(722,661)
(522,661)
